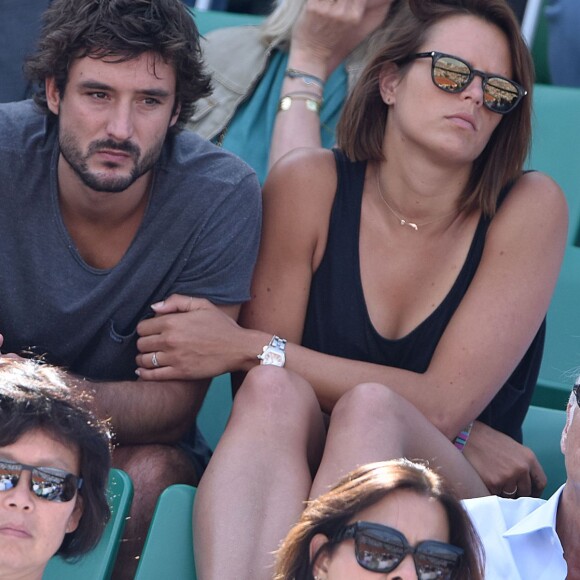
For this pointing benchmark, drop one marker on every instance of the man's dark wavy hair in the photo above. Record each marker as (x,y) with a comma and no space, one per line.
(121,30)
(35,397)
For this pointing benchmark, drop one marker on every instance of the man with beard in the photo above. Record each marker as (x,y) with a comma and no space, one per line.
(108,208)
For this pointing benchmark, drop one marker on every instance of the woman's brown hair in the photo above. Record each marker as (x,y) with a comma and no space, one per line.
(362,125)
(363,488)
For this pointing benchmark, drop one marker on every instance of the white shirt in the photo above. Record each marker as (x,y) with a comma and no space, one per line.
(519,537)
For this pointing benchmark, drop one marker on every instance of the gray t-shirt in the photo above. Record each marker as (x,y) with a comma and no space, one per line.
(199,237)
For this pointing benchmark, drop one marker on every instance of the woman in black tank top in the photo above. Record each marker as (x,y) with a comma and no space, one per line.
(409,272)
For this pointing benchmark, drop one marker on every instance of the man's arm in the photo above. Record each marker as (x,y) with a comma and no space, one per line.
(145,412)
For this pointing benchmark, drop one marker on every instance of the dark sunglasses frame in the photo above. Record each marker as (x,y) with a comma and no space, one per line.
(473,72)
(49,476)
(381,533)
(576,391)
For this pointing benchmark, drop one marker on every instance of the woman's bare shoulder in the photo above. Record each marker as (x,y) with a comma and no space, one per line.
(534,195)
(535,212)
(307,174)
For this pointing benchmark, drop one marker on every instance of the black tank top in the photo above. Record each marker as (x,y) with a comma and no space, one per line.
(338,323)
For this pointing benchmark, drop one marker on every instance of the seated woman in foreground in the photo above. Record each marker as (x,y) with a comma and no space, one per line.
(383,517)
(54,468)
(408,274)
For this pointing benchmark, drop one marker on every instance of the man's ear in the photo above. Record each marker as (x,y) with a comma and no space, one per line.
(569,417)
(320,566)
(389,79)
(52,95)
(175,114)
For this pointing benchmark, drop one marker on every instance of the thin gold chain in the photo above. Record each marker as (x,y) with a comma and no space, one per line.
(402,220)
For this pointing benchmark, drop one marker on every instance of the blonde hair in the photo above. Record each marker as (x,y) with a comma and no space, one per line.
(277,28)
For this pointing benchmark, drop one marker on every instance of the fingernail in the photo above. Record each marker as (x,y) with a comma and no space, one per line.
(157,305)
(138,372)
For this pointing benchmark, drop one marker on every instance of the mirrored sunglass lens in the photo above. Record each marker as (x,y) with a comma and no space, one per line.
(436,562)
(51,486)
(500,94)
(450,74)
(378,554)
(8,478)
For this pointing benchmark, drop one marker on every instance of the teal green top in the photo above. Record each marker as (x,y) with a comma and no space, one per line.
(249,133)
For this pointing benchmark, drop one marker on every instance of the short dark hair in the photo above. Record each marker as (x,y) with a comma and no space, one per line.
(122,30)
(362,125)
(362,488)
(34,396)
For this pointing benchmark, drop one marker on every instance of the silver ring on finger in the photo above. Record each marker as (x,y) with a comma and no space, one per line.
(510,493)
(154,360)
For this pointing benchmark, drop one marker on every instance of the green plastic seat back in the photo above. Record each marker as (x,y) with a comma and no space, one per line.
(168,551)
(542,431)
(215,410)
(540,49)
(556,151)
(98,564)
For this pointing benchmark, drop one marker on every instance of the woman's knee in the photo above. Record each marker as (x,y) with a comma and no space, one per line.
(273,394)
(369,402)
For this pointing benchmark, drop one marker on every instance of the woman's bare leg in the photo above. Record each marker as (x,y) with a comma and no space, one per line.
(372,423)
(256,483)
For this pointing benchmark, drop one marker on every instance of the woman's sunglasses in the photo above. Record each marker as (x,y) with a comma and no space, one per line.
(453,75)
(47,483)
(576,391)
(381,549)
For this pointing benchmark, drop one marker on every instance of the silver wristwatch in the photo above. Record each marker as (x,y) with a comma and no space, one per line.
(274,353)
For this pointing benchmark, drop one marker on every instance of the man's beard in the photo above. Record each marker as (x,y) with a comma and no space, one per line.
(101,181)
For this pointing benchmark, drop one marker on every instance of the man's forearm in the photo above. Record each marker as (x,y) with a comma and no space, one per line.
(147,412)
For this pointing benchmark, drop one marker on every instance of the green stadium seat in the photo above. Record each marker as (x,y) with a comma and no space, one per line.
(216,408)
(556,151)
(540,49)
(542,431)
(168,550)
(98,564)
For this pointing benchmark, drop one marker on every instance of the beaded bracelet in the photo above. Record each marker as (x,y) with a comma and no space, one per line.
(461,439)
(308,79)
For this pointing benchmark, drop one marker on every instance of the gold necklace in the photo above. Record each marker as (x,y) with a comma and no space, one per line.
(402,220)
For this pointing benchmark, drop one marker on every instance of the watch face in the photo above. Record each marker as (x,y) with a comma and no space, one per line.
(273,357)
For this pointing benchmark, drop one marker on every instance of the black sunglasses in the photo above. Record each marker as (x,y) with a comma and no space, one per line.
(453,75)
(381,549)
(48,483)
(576,391)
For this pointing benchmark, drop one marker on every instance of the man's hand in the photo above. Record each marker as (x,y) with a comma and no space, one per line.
(507,468)
(189,338)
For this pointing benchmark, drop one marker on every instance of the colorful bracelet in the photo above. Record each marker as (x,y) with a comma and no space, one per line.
(461,439)
(308,79)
